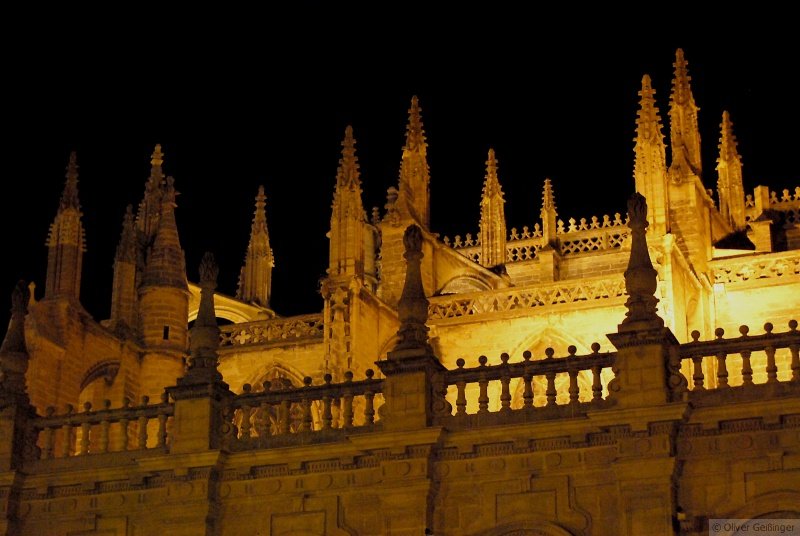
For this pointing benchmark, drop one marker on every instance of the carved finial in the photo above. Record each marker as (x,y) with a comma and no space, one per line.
(156,162)
(13,352)
(548,199)
(208,271)
(415,135)
(413,305)
(491,184)
(648,121)
(727,143)
(348,174)
(205,332)
(640,277)
(69,198)
(681,92)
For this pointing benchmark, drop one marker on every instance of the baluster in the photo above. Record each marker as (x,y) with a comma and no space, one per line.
(551,388)
(123,424)
(306,421)
(85,427)
(597,385)
(68,433)
(698,377)
(347,411)
(483,383)
(505,380)
(161,435)
(369,408)
(104,426)
(772,369)
(574,391)
(722,368)
(794,348)
(284,416)
(722,371)
(327,416)
(461,391)
(142,438)
(527,378)
(49,439)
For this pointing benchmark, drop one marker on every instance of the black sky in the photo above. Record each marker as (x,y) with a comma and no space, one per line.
(273,112)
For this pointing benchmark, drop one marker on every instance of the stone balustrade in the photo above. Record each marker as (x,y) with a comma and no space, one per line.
(527,371)
(743,367)
(276,330)
(283,415)
(105,430)
(522,299)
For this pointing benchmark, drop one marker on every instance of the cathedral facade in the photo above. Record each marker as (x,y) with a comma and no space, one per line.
(577,376)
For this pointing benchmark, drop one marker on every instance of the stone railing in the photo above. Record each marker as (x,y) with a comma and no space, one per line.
(525,374)
(772,265)
(105,430)
(594,235)
(745,366)
(282,416)
(785,201)
(276,330)
(524,298)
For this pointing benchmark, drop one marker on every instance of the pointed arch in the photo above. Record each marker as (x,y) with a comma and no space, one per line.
(462,284)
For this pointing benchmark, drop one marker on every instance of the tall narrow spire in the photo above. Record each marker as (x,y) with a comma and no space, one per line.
(414,171)
(66,241)
(348,219)
(493,220)
(166,266)
(150,206)
(69,198)
(13,351)
(729,183)
(163,294)
(684,133)
(548,213)
(123,292)
(255,277)
(649,170)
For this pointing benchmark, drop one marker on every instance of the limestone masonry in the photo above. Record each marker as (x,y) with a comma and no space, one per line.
(625,374)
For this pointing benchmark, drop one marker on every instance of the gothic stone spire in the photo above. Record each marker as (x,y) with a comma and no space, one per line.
(493,221)
(166,265)
(729,182)
(255,278)
(66,241)
(348,219)
(414,171)
(649,171)
(13,352)
(684,133)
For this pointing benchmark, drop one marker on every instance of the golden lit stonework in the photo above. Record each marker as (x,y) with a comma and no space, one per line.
(625,374)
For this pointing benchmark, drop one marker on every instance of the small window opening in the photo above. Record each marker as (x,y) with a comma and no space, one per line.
(166,333)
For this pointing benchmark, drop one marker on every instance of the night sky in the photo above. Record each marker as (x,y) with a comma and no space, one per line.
(231,119)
